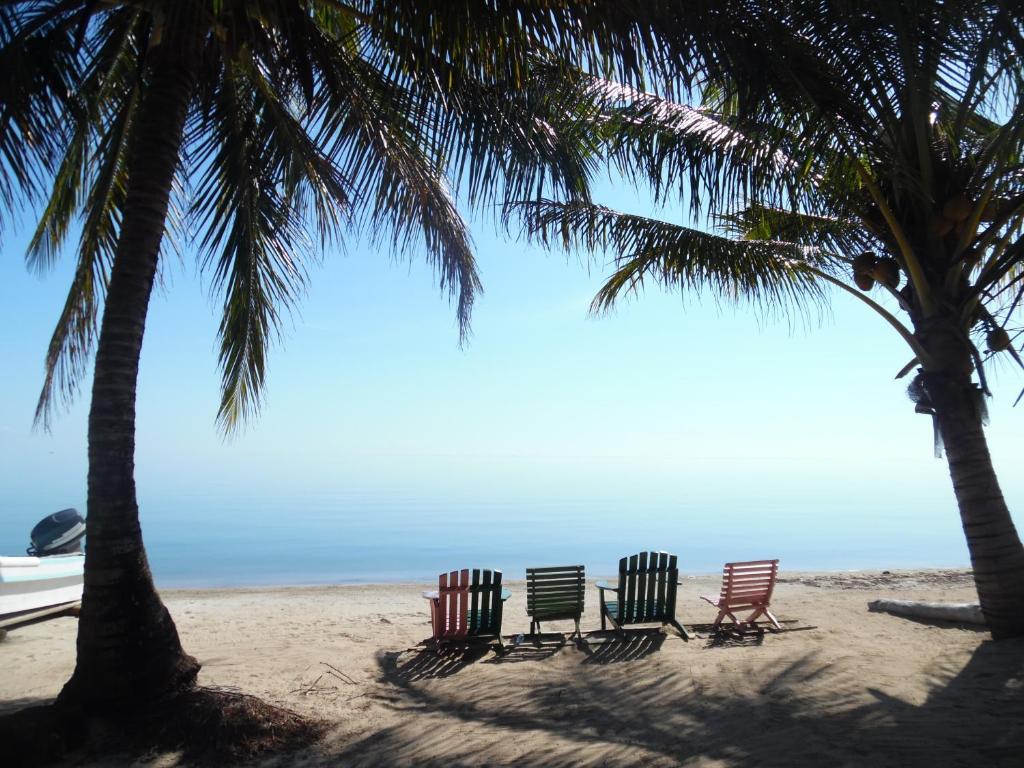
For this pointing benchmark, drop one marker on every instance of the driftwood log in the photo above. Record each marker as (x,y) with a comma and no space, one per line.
(964,613)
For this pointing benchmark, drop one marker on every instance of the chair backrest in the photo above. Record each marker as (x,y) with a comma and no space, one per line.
(469,603)
(647,587)
(555,592)
(748,583)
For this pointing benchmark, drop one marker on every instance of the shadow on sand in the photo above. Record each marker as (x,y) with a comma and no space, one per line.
(614,713)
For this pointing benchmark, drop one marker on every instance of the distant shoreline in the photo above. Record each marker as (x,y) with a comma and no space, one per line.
(841,579)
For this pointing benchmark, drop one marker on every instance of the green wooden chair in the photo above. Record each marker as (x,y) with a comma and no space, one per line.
(467,606)
(645,594)
(553,594)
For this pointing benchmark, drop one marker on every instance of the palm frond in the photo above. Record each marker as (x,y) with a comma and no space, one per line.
(252,240)
(771,274)
(761,222)
(366,123)
(39,64)
(92,180)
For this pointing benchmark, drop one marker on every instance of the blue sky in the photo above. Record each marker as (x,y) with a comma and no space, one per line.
(371,398)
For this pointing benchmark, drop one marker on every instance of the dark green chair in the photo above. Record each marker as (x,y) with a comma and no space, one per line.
(553,594)
(645,594)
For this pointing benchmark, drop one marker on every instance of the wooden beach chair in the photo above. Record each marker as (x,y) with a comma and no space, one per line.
(746,586)
(555,593)
(645,594)
(467,606)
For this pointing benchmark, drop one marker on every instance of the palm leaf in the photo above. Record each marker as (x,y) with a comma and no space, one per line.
(252,239)
(771,274)
(365,123)
(102,182)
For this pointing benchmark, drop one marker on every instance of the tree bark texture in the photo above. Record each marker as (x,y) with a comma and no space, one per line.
(997,555)
(128,647)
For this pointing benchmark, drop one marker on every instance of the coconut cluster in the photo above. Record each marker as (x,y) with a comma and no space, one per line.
(955,212)
(869,269)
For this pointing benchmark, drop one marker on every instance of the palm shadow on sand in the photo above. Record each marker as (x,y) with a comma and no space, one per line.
(624,714)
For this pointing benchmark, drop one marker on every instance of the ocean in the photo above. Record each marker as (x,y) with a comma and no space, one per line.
(203,542)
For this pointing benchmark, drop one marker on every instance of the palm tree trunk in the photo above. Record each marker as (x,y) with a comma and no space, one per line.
(997,555)
(128,646)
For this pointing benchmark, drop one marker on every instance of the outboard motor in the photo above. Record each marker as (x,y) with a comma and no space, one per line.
(58,534)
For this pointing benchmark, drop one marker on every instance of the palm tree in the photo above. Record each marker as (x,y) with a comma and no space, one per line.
(872,147)
(232,124)
(256,133)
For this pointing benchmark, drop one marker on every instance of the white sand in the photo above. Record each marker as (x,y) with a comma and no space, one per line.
(844,687)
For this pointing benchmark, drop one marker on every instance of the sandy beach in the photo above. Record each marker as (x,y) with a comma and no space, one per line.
(841,686)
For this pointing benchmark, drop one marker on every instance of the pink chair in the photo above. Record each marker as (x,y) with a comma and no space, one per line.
(467,605)
(746,586)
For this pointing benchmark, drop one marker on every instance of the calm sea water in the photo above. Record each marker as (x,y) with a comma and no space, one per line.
(205,543)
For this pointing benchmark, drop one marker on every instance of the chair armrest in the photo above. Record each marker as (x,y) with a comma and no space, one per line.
(602,585)
(506,593)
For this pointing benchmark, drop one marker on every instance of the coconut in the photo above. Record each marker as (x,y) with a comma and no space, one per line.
(957,208)
(887,271)
(864,264)
(864,282)
(940,225)
(998,340)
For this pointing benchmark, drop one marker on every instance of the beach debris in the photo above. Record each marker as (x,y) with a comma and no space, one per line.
(937,577)
(316,688)
(333,671)
(313,688)
(963,613)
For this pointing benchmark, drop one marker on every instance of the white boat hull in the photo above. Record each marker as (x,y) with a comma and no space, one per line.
(33,583)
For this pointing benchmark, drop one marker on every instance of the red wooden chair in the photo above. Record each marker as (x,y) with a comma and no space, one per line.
(746,586)
(467,605)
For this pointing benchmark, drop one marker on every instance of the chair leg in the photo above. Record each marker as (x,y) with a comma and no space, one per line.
(751,621)
(682,630)
(603,613)
(581,641)
(772,619)
(434,623)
